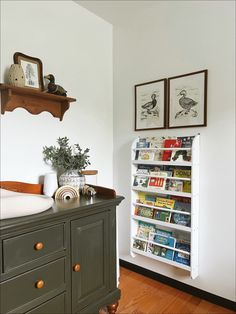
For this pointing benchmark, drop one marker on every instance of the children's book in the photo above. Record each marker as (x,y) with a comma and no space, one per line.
(166,253)
(140,181)
(165,240)
(165,173)
(182,173)
(187,186)
(170,143)
(154,249)
(140,245)
(165,202)
(143,169)
(155,182)
(182,206)
(144,229)
(150,199)
(154,170)
(145,212)
(146,155)
(187,141)
(181,257)
(163,232)
(180,155)
(141,197)
(181,219)
(142,143)
(175,185)
(156,142)
(162,216)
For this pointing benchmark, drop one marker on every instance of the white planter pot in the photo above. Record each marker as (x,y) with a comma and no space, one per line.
(72,178)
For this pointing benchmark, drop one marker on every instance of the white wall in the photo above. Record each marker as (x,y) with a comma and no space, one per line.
(75,46)
(167,39)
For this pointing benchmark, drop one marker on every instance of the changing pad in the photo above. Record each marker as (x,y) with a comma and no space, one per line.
(14,204)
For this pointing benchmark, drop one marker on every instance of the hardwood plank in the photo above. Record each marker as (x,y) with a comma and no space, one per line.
(142,295)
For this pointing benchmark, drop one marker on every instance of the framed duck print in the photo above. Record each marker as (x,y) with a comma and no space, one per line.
(187,100)
(150,105)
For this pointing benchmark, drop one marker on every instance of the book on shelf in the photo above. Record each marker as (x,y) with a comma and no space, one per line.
(144,211)
(143,169)
(181,219)
(150,199)
(160,251)
(162,215)
(187,187)
(140,181)
(156,142)
(146,199)
(165,240)
(174,185)
(182,173)
(154,170)
(153,249)
(181,155)
(144,229)
(141,197)
(180,257)
(142,143)
(156,182)
(183,205)
(140,245)
(163,232)
(146,155)
(170,143)
(187,141)
(165,202)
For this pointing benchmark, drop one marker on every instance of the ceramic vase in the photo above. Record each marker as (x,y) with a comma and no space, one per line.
(16,76)
(50,184)
(72,178)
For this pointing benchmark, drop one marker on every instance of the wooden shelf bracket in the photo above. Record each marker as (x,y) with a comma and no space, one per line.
(33,101)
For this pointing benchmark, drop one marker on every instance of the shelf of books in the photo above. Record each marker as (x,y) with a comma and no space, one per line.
(165,200)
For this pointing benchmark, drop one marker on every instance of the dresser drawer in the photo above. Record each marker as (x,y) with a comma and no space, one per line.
(33,285)
(31,246)
(54,306)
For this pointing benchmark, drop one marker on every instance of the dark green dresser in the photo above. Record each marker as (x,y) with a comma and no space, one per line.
(62,260)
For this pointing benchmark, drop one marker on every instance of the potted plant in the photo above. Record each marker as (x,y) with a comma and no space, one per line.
(68,161)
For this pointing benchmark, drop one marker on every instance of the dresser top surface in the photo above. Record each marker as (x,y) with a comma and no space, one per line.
(62,209)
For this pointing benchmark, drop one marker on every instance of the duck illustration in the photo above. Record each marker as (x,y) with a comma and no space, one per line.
(187,104)
(54,88)
(149,106)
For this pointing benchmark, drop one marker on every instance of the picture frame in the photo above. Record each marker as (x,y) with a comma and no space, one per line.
(187,100)
(33,70)
(150,105)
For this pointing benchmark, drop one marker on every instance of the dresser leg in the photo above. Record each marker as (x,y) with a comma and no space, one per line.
(112,308)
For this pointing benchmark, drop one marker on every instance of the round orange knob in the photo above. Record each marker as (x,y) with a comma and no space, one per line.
(39,246)
(76,268)
(39,284)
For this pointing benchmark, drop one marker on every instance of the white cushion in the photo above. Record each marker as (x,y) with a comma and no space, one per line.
(14,204)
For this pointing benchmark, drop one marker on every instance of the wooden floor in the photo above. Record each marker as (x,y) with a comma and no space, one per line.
(142,295)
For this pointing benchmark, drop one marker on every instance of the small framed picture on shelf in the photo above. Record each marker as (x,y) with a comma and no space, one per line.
(187,100)
(150,105)
(33,70)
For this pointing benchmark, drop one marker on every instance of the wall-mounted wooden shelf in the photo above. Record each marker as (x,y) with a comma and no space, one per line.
(33,101)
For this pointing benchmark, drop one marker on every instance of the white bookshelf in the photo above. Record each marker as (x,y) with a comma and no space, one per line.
(190,233)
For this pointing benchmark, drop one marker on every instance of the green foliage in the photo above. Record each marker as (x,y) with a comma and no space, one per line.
(66,157)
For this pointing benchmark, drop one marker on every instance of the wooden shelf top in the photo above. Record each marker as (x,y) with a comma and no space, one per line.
(35,92)
(33,100)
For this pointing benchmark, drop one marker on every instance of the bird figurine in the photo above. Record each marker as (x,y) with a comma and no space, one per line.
(187,104)
(54,88)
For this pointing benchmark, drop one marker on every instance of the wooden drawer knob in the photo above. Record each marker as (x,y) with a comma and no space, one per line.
(76,268)
(38,246)
(39,284)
